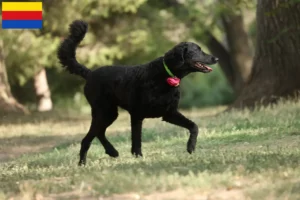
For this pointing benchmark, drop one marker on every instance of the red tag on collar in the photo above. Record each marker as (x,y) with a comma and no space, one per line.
(173,81)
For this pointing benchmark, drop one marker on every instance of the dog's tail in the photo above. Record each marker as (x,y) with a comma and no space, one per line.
(67,50)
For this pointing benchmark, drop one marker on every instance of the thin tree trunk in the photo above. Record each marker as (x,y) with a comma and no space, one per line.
(218,50)
(276,67)
(44,102)
(239,49)
(7,102)
(236,58)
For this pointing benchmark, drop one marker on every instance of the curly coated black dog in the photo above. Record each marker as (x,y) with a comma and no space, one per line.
(146,91)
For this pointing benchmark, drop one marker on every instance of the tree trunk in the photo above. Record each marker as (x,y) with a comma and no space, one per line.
(42,91)
(276,67)
(218,50)
(8,103)
(239,49)
(236,59)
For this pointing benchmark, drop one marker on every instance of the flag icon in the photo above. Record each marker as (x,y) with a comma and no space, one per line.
(22,15)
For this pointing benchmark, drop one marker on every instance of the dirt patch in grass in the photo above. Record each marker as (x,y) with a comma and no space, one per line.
(14,147)
(179,194)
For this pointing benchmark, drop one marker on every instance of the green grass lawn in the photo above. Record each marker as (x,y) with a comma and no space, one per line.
(239,155)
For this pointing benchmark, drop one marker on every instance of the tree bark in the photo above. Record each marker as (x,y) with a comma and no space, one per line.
(42,91)
(236,57)
(8,104)
(239,49)
(276,65)
(218,50)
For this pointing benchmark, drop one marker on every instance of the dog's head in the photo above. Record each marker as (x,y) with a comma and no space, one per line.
(187,57)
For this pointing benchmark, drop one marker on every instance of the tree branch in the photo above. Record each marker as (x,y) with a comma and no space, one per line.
(218,50)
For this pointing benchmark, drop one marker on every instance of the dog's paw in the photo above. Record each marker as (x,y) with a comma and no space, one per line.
(81,163)
(190,149)
(112,153)
(191,146)
(137,152)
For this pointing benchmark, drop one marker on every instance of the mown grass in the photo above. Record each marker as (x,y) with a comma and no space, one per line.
(254,155)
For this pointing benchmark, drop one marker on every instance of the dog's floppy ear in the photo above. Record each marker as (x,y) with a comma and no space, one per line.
(177,55)
(184,51)
(181,51)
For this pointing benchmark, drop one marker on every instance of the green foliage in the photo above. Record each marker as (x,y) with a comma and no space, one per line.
(27,53)
(201,90)
(124,32)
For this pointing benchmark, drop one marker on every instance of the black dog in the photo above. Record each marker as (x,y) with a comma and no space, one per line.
(145,91)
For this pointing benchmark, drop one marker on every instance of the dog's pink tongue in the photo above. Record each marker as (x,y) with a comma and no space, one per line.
(173,81)
(210,69)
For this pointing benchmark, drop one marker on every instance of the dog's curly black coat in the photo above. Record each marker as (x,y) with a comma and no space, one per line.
(142,90)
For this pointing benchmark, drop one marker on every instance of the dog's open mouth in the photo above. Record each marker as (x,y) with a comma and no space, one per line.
(202,67)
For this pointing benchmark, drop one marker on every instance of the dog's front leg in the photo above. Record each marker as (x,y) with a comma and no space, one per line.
(136,136)
(178,119)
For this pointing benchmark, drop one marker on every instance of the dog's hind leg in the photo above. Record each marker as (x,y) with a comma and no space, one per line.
(101,119)
(106,118)
(86,142)
(178,119)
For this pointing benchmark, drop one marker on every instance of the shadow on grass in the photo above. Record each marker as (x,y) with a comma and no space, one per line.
(211,155)
(61,160)
(38,117)
(216,162)
(16,146)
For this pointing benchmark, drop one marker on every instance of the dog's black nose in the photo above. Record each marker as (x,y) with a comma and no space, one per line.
(215,59)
